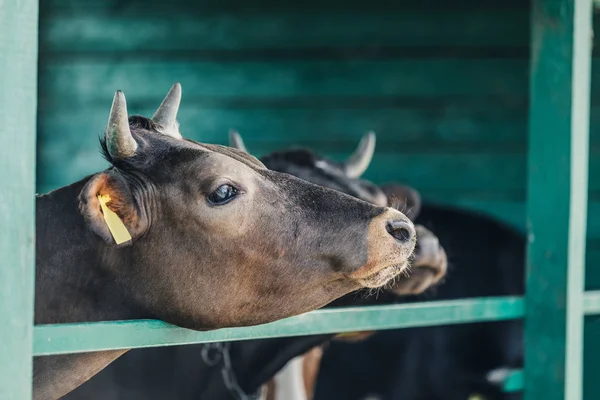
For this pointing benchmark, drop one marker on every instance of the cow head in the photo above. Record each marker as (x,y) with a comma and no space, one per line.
(430,262)
(219,240)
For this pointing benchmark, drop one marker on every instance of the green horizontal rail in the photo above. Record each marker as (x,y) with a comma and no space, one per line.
(85,337)
(591,300)
(77,338)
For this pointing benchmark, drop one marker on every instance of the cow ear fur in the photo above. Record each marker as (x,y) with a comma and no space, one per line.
(403,198)
(122,203)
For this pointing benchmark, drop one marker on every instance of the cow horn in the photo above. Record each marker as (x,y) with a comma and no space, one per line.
(359,161)
(119,141)
(166,114)
(235,141)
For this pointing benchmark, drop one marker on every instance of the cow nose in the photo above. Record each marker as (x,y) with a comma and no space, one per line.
(401,229)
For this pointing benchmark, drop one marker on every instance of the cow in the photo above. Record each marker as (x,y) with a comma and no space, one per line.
(198,235)
(238,370)
(486,258)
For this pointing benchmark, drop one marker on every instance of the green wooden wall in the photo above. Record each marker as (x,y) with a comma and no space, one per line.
(443,83)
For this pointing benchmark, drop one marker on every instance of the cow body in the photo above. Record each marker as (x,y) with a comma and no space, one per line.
(192,213)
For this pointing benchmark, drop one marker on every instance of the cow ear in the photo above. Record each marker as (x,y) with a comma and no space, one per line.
(403,198)
(110,210)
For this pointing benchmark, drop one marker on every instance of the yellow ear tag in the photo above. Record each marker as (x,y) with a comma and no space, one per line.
(115,225)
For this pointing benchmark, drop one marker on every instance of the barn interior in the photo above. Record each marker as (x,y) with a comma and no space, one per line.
(443,84)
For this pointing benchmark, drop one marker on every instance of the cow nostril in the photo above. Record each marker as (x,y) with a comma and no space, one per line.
(401,230)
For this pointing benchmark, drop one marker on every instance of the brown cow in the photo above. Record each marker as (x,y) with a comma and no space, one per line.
(216,240)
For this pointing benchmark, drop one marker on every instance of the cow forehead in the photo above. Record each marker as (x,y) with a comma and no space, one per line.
(236,154)
(220,161)
(157,143)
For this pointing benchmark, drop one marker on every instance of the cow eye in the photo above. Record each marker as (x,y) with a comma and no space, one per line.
(222,195)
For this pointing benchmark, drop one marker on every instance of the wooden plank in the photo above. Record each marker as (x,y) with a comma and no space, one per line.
(179,31)
(154,7)
(93,81)
(320,126)
(83,337)
(408,82)
(591,356)
(591,303)
(557,198)
(18,95)
(592,259)
(76,338)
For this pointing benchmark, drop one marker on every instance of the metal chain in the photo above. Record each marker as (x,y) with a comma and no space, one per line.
(229,378)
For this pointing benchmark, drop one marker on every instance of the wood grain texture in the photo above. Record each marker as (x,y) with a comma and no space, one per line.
(557,198)
(18,95)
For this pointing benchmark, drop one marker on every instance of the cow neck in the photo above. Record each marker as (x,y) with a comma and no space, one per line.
(72,284)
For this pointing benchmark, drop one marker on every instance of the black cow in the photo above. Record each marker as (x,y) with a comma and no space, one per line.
(435,363)
(202,236)
(237,370)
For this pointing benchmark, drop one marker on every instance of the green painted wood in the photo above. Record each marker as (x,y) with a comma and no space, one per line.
(76,338)
(557,198)
(82,337)
(92,80)
(514,382)
(153,7)
(460,123)
(591,302)
(591,355)
(195,31)
(68,338)
(18,78)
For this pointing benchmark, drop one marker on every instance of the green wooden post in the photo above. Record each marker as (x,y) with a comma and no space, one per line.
(557,198)
(18,100)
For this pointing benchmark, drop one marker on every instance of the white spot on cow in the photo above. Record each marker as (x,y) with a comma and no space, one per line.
(322,165)
(498,376)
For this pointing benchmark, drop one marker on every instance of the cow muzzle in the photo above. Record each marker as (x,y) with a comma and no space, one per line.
(391,242)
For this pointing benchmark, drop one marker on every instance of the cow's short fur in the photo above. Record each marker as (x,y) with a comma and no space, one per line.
(182,373)
(278,247)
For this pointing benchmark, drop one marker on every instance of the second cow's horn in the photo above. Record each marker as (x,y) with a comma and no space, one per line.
(359,161)
(166,114)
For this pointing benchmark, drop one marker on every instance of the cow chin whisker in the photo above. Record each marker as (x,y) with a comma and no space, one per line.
(370,292)
(383,277)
